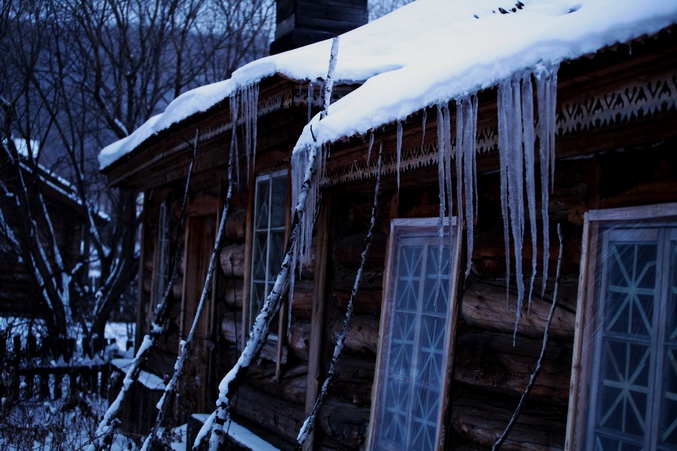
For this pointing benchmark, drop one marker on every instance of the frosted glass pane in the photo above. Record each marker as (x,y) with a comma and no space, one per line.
(412,378)
(279,202)
(631,288)
(668,421)
(262,204)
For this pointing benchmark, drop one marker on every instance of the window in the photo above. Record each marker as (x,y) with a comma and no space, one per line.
(161,267)
(417,324)
(268,238)
(625,393)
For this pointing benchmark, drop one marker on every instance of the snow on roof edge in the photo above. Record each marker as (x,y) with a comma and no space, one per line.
(411,59)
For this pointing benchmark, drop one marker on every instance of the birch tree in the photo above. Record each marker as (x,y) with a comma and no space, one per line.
(76,75)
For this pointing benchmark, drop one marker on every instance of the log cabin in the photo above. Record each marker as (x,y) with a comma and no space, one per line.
(480,121)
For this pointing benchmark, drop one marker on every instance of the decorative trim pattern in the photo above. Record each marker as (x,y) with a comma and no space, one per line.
(634,101)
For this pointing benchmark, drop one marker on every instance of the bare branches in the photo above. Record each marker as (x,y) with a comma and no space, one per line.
(537,370)
(307,427)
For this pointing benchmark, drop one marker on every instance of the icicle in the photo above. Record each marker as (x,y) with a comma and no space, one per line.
(234,115)
(446,142)
(515,165)
(371,145)
(311,92)
(469,111)
(459,157)
(503,143)
(546,90)
(529,166)
(441,155)
(425,119)
(399,152)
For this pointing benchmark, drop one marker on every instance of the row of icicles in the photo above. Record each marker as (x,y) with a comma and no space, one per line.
(517,135)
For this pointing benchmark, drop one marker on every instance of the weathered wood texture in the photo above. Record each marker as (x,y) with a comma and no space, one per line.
(484,306)
(273,414)
(482,421)
(490,362)
(346,423)
(362,334)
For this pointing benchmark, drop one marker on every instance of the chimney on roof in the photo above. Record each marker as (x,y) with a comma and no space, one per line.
(302,22)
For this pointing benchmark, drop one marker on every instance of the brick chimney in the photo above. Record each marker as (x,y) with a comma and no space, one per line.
(302,22)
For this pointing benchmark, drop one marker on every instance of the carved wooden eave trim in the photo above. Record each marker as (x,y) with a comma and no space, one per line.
(630,103)
(278,100)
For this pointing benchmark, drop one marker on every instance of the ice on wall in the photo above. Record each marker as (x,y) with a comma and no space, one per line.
(516,142)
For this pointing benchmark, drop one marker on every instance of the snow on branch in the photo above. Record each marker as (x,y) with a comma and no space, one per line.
(104,432)
(259,333)
(170,388)
(307,427)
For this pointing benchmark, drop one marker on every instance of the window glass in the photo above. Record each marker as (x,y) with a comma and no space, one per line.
(268,238)
(416,331)
(632,386)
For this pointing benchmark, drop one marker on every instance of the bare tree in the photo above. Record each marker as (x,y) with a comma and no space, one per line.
(76,75)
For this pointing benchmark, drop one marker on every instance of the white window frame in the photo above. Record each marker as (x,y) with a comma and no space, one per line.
(639,222)
(427,229)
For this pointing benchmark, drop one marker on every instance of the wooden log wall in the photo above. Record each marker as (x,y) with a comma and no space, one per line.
(490,373)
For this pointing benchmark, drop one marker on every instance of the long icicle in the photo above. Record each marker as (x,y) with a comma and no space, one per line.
(170,388)
(307,427)
(503,144)
(107,426)
(234,378)
(546,90)
(469,176)
(529,167)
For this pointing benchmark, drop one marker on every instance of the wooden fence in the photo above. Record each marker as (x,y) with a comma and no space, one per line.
(50,372)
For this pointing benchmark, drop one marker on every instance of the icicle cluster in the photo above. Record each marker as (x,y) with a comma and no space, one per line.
(546,90)
(466,143)
(245,102)
(516,138)
(465,154)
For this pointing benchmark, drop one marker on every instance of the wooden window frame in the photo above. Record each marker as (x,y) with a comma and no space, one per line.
(274,348)
(404,227)
(583,367)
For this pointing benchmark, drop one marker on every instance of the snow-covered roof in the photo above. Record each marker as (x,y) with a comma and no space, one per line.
(429,52)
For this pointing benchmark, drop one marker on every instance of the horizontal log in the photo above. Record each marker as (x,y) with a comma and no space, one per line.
(271,413)
(482,422)
(348,251)
(344,422)
(484,306)
(491,362)
(232,260)
(302,304)
(231,328)
(362,334)
(292,386)
(233,293)
(299,339)
(369,294)
(353,379)
(235,225)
